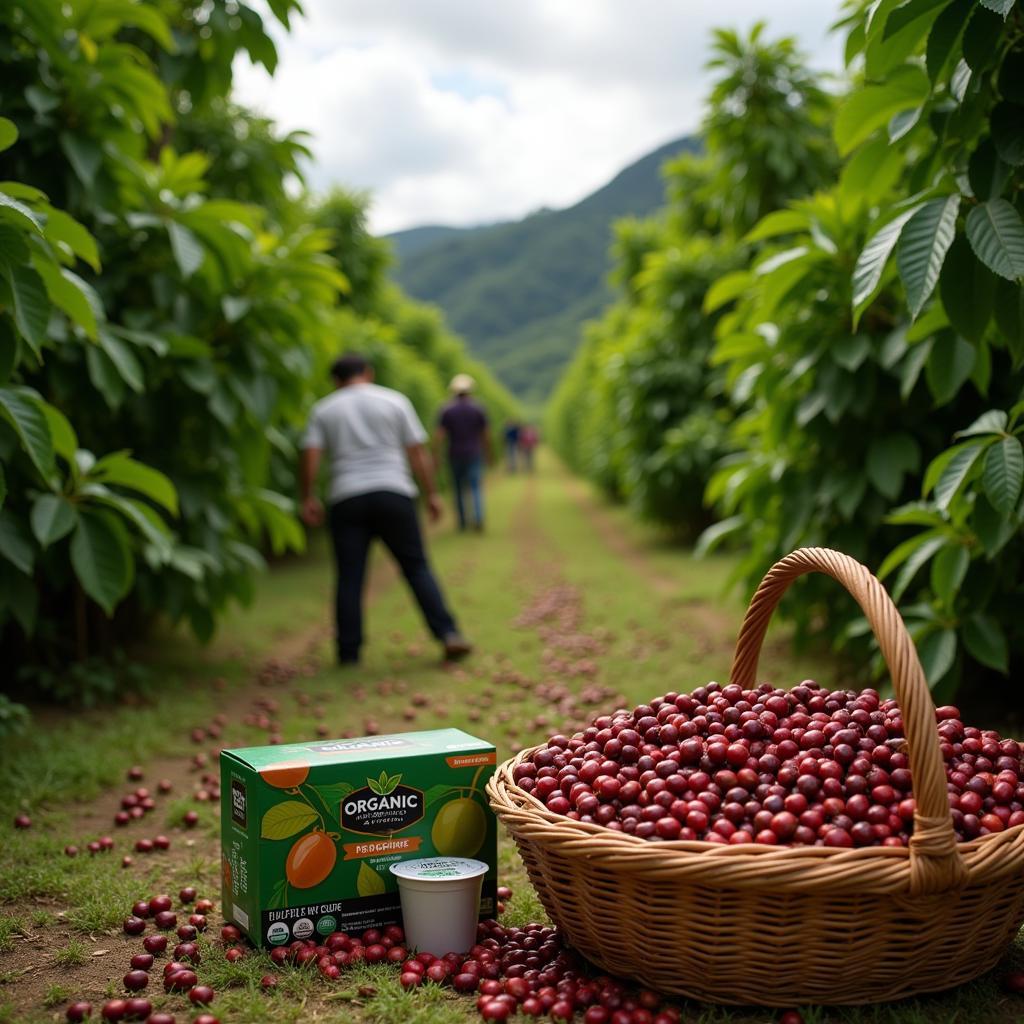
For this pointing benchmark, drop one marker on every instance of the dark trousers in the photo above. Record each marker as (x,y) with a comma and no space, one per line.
(354,523)
(467,474)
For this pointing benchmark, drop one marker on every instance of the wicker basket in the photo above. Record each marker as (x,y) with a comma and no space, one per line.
(778,926)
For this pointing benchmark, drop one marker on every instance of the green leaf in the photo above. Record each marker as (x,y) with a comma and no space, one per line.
(780,222)
(439,792)
(148,522)
(65,441)
(867,274)
(1006,122)
(31,305)
(286,819)
(84,155)
(949,366)
(15,543)
(104,376)
(187,249)
(68,292)
(8,133)
(981,38)
(25,413)
(851,351)
(124,359)
(945,34)
(948,571)
(913,364)
(870,107)
(955,472)
(987,172)
(333,793)
(369,882)
(1004,474)
(909,12)
(904,550)
(923,244)
(992,422)
(889,459)
(869,174)
(915,560)
(986,642)
(967,289)
(374,786)
(101,557)
(3,485)
(1001,7)
(937,653)
(1009,313)
(717,533)
(122,470)
(20,216)
(996,234)
(63,230)
(52,517)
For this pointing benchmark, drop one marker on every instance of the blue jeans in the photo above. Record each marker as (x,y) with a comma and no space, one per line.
(468,473)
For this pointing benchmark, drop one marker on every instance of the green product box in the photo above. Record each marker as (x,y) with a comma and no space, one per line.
(309,830)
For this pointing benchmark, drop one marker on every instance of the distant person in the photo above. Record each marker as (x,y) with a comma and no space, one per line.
(511,445)
(372,436)
(463,425)
(528,438)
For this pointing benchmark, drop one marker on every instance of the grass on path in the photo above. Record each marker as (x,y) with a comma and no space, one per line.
(571,611)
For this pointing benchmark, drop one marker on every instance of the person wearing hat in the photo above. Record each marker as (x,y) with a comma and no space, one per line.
(464,427)
(375,444)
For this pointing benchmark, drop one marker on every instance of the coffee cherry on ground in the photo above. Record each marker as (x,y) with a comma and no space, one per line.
(280,955)
(188,894)
(204,906)
(158,904)
(268,981)
(180,981)
(165,920)
(465,982)
(78,1011)
(22,821)
(206,1018)
(190,819)
(198,921)
(154,943)
(494,1010)
(504,892)
(141,908)
(1014,982)
(138,1009)
(126,862)
(134,926)
(187,932)
(106,843)
(410,979)
(70,851)
(234,954)
(143,845)
(162,1018)
(114,1009)
(187,951)
(136,981)
(161,843)
(791,1017)
(229,933)
(201,995)
(142,961)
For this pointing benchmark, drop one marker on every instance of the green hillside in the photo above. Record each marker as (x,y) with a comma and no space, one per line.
(519,291)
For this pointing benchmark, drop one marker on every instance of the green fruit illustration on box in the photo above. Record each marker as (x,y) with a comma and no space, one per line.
(460,827)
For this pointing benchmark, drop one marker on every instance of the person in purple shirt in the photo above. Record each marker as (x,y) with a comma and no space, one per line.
(463,424)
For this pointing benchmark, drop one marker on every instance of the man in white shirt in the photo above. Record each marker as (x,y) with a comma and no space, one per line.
(374,444)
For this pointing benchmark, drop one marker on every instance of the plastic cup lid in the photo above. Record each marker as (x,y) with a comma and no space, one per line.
(439,869)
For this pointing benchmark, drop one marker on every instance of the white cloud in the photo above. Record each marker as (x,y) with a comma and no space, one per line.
(461,112)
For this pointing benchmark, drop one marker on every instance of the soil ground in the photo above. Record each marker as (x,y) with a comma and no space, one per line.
(574,608)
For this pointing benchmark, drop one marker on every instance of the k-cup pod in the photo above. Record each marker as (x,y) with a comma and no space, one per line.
(440,902)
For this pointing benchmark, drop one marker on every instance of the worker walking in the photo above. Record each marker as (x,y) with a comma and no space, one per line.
(464,427)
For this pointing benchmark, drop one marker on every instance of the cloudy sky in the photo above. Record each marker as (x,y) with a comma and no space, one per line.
(466,111)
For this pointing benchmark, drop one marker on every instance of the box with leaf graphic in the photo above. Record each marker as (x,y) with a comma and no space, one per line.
(310,830)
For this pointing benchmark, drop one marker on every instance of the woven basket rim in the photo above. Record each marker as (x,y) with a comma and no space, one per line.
(644,854)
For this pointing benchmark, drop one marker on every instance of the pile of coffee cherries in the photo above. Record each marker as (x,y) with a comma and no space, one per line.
(510,970)
(800,767)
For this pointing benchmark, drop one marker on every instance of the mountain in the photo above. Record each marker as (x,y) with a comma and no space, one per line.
(519,291)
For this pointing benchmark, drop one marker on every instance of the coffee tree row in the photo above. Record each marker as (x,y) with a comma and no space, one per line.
(167,314)
(865,371)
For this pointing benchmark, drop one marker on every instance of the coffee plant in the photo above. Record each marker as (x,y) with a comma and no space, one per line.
(870,342)
(168,311)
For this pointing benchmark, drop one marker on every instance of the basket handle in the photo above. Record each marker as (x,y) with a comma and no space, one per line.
(935,861)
